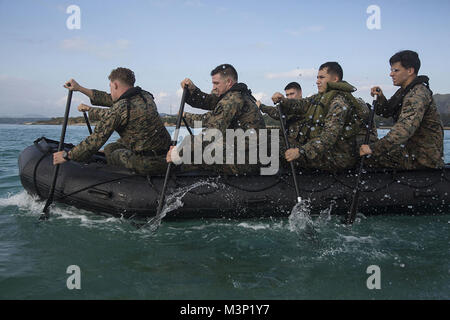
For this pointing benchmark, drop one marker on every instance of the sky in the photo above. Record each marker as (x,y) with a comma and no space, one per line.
(270,43)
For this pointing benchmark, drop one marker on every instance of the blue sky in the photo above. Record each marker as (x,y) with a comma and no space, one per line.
(271,43)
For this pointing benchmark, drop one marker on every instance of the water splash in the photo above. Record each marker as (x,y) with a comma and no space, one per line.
(300,221)
(24,201)
(325,215)
(173,202)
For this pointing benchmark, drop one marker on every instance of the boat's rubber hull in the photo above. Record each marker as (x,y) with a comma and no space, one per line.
(104,189)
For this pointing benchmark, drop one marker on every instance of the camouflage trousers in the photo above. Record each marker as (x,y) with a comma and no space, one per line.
(333,160)
(225,168)
(117,155)
(397,158)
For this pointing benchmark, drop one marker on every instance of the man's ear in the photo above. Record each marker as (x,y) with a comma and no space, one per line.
(410,71)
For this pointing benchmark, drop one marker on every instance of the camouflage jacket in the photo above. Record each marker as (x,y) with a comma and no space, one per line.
(418,127)
(233,110)
(135,118)
(291,123)
(336,133)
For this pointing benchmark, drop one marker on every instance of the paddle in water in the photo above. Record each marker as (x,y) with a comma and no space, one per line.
(159,212)
(286,142)
(45,211)
(299,219)
(351,214)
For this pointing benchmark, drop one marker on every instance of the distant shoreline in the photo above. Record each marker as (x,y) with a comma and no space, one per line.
(166,124)
(168,120)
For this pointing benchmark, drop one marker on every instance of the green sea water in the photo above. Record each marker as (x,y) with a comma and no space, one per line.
(209,259)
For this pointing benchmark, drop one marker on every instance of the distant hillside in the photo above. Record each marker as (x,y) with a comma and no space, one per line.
(443,103)
(169,120)
(20,120)
(60,120)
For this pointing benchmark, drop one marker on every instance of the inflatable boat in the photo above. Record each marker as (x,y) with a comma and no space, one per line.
(103,189)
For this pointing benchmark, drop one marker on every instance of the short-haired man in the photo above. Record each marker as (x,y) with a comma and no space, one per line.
(230,106)
(293,91)
(417,138)
(133,115)
(332,123)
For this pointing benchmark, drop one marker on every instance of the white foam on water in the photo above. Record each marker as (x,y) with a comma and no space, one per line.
(367,239)
(254,226)
(23,201)
(260,226)
(87,218)
(31,205)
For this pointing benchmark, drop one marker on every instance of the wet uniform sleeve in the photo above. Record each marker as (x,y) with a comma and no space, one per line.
(96,114)
(222,115)
(190,118)
(101,134)
(101,98)
(333,127)
(384,107)
(413,110)
(201,100)
(295,107)
(270,111)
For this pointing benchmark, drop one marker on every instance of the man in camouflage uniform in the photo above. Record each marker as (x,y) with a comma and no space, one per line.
(293,91)
(133,114)
(416,140)
(230,106)
(332,123)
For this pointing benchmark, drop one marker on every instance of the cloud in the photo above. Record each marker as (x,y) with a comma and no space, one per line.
(305,30)
(160,97)
(169,102)
(75,102)
(102,50)
(304,73)
(260,95)
(179,93)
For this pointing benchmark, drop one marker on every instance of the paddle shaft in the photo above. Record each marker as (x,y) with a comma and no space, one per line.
(286,141)
(351,215)
(174,143)
(86,118)
(187,126)
(45,212)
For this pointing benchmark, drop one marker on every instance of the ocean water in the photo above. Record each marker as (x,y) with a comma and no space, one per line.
(280,258)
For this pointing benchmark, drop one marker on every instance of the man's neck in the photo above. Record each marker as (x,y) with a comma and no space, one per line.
(408,81)
(123,90)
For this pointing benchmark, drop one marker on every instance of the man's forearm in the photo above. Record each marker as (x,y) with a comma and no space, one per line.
(87,92)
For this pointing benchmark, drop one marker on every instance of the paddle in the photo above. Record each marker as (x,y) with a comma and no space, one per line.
(174,143)
(87,122)
(351,214)
(187,127)
(45,212)
(286,141)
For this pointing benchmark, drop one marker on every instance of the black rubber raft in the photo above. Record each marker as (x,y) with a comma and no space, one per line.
(103,189)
